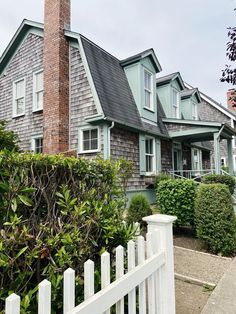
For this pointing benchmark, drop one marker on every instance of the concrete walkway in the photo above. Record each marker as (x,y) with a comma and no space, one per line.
(223,298)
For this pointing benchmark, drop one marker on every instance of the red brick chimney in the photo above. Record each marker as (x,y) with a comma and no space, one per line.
(231,99)
(56,77)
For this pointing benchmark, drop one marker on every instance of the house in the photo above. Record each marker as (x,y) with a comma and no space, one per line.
(62,93)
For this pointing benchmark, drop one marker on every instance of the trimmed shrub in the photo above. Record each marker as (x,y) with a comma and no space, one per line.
(55,213)
(8,139)
(139,207)
(161,177)
(215,219)
(221,178)
(176,197)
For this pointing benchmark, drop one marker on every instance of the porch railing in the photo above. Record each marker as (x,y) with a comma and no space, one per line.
(191,174)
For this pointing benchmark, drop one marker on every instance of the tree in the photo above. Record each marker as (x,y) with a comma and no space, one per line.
(8,139)
(229,73)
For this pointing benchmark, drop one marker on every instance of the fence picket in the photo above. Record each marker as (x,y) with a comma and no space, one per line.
(131,265)
(142,286)
(44,303)
(105,272)
(119,274)
(12,304)
(68,290)
(88,279)
(158,278)
(151,279)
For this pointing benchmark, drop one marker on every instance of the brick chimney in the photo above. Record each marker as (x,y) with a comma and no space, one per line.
(56,77)
(231,96)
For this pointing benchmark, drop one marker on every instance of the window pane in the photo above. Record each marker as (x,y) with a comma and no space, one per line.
(38,145)
(86,145)
(39,81)
(20,89)
(147,80)
(39,100)
(86,135)
(94,134)
(174,97)
(94,144)
(20,106)
(147,99)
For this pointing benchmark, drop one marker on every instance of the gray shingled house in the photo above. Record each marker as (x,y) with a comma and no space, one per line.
(62,93)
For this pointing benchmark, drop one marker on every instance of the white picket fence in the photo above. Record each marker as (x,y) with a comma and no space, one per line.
(150,273)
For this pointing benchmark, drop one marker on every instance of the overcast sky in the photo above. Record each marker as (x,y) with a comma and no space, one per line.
(188,36)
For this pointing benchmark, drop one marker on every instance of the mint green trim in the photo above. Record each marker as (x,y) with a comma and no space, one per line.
(142,161)
(158,155)
(192,122)
(106,153)
(192,132)
(148,193)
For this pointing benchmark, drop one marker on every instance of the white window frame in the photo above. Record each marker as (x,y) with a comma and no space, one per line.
(33,139)
(148,173)
(15,115)
(34,91)
(80,146)
(194,111)
(224,160)
(150,91)
(175,107)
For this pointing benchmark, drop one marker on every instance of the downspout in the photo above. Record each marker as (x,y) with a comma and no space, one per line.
(217,150)
(109,139)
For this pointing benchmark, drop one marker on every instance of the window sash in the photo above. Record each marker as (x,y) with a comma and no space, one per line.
(90,140)
(38,91)
(148,89)
(19,97)
(38,145)
(175,103)
(194,111)
(149,155)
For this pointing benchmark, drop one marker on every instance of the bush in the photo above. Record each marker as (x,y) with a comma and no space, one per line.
(8,139)
(215,218)
(55,213)
(139,207)
(176,197)
(221,178)
(161,177)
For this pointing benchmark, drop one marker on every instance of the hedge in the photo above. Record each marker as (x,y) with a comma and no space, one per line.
(139,207)
(215,218)
(56,213)
(176,197)
(221,178)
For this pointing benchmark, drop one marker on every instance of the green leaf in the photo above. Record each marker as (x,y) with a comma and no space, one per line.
(14,204)
(28,190)
(25,200)
(21,252)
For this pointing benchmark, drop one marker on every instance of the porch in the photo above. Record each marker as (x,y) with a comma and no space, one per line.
(197,146)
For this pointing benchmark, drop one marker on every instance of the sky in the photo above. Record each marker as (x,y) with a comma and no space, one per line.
(188,36)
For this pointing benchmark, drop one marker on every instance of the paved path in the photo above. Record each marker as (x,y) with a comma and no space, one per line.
(201,266)
(223,298)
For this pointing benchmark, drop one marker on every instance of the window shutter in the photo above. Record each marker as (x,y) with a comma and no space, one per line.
(158,155)
(142,160)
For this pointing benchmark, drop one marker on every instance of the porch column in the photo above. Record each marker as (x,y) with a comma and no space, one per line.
(230,156)
(217,153)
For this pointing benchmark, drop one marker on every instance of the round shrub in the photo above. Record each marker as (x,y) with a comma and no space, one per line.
(139,207)
(221,178)
(215,218)
(176,197)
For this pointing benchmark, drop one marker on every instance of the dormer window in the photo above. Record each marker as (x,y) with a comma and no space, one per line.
(175,103)
(148,90)
(194,111)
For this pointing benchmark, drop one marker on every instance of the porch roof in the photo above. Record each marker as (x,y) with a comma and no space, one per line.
(194,131)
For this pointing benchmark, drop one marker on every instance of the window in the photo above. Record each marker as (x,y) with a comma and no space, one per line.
(19,98)
(194,111)
(37,144)
(223,162)
(90,140)
(175,103)
(150,155)
(196,159)
(38,91)
(148,88)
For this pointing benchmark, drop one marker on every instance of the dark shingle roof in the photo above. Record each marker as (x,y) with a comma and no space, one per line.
(111,85)
(114,92)
(166,79)
(187,93)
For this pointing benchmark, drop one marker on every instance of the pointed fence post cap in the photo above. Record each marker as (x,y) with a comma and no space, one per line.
(159,219)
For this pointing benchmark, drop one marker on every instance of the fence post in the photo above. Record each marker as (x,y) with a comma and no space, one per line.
(164,223)
(12,304)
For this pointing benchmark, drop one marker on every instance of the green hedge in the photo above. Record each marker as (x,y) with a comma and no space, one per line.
(176,197)
(161,177)
(215,218)
(55,213)
(139,207)
(221,178)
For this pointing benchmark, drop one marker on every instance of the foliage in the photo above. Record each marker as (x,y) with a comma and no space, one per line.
(8,139)
(176,197)
(139,207)
(221,178)
(215,219)
(56,212)
(160,177)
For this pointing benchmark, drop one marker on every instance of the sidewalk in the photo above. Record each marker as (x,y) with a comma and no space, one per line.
(223,298)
